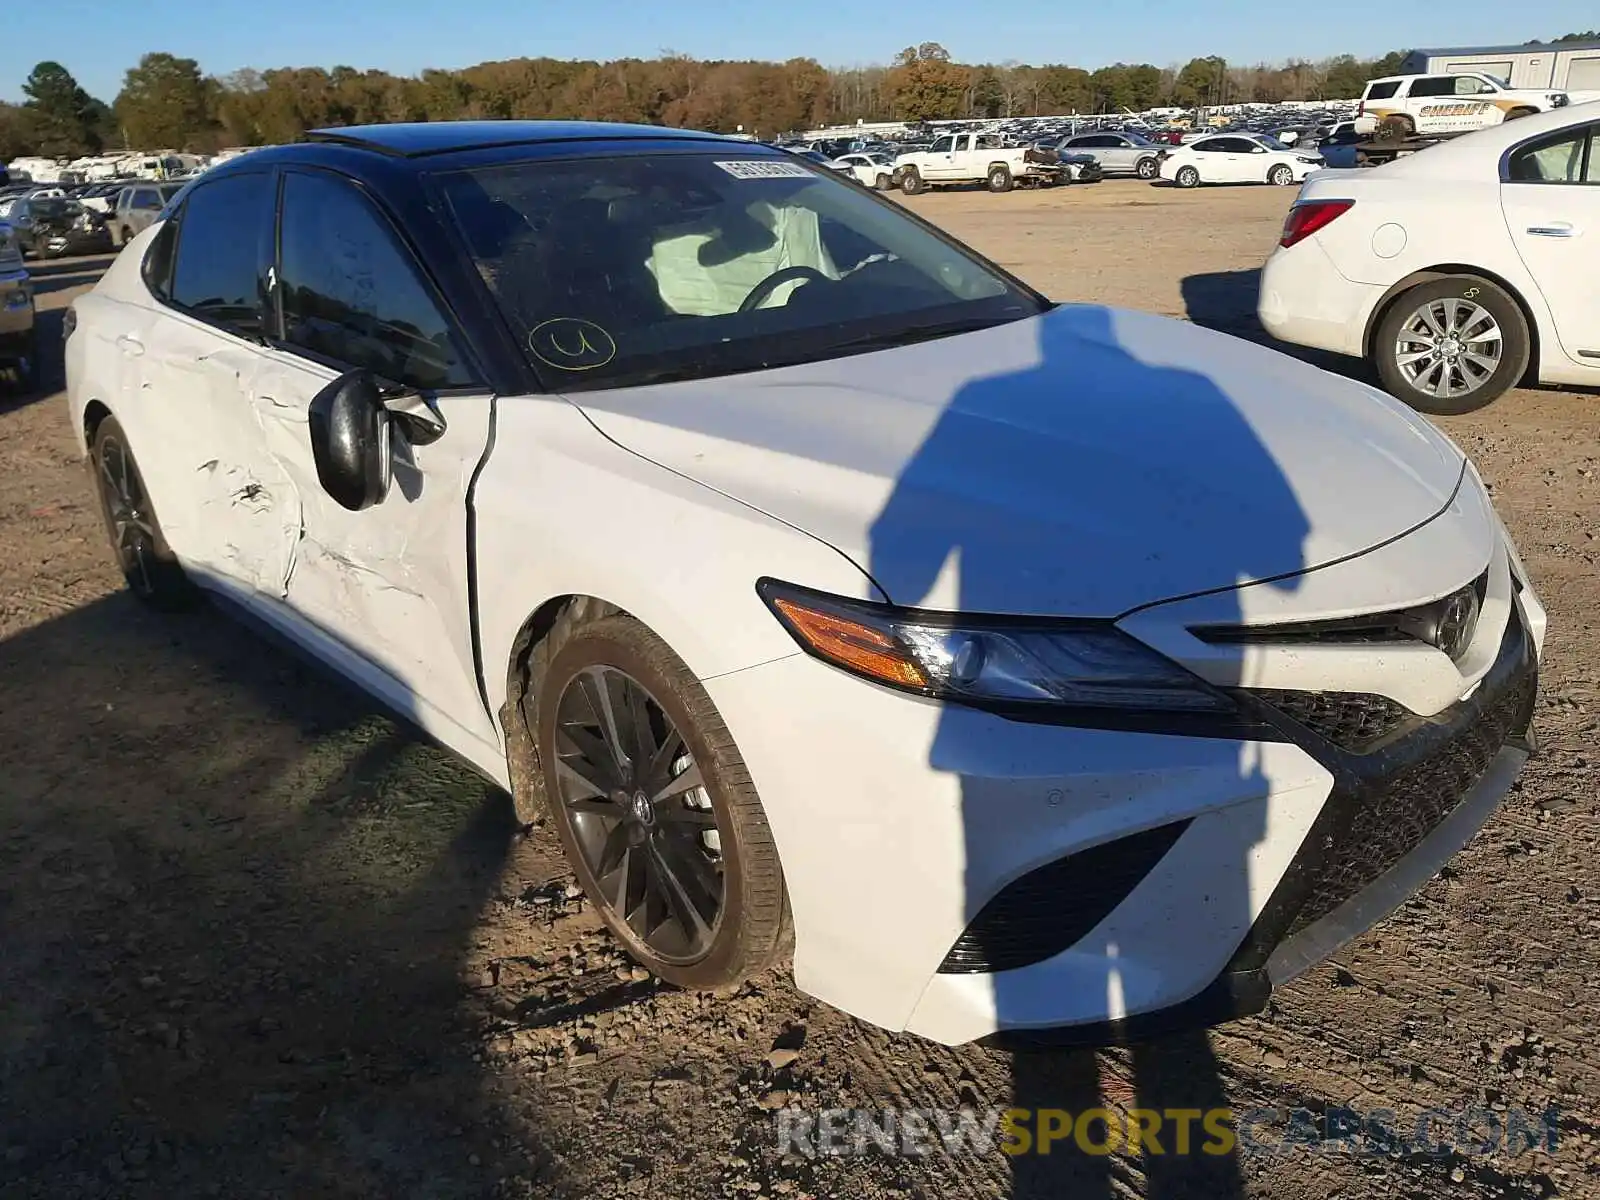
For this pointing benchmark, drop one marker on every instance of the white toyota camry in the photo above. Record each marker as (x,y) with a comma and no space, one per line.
(1031,672)
(1457,271)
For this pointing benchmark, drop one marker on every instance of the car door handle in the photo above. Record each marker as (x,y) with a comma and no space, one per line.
(1554,229)
(130,345)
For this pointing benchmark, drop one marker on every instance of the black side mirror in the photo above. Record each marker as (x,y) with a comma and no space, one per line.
(350,440)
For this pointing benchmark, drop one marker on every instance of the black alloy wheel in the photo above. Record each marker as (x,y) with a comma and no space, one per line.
(640,813)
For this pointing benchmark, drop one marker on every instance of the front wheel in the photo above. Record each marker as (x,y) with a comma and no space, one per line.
(147,563)
(912,183)
(653,804)
(1452,345)
(999,178)
(1148,168)
(1280,175)
(1187,177)
(883,183)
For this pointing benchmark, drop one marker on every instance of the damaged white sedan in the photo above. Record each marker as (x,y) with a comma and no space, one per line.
(1032,672)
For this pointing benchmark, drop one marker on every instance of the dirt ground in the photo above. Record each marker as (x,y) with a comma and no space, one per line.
(258,941)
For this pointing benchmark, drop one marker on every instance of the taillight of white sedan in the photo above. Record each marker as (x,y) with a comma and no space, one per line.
(1458,271)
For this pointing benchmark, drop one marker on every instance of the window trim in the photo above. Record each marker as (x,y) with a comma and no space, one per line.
(277,337)
(1591,148)
(166,299)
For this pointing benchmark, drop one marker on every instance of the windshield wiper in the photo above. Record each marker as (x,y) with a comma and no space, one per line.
(921,333)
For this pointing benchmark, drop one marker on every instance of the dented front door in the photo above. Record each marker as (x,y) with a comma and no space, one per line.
(227,508)
(389,582)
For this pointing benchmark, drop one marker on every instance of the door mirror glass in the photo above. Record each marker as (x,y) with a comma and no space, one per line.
(350,440)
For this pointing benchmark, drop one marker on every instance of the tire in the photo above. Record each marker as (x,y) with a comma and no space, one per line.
(912,183)
(1281,175)
(1147,168)
(1423,385)
(588,649)
(142,553)
(999,179)
(1187,177)
(1517,113)
(1401,125)
(884,183)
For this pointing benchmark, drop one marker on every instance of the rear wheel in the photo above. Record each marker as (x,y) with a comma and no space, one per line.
(147,563)
(1187,177)
(1280,175)
(653,803)
(1452,345)
(1399,125)
(1515,113)
(999,178)
(1148,168)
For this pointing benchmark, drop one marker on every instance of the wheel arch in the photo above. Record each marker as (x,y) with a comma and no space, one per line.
(1380,310)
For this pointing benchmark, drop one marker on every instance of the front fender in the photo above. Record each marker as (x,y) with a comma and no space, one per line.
(561,510)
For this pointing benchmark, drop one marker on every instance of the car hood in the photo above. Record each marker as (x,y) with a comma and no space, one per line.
(1084,462)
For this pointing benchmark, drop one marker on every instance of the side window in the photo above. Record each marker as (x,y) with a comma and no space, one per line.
(942,145)
(1382,91)
(214,275)
(351,292)
(1208,146)
(1471,85)
(1434,85)
(1572,156)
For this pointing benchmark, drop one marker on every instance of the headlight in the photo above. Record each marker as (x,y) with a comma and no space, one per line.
(988,662)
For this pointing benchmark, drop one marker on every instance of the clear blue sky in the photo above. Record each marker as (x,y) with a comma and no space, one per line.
(98,40)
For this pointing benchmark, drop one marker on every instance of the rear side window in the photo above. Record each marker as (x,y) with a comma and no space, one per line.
(1382,91)
(352,292)
(214,274)
(1572,156)
(1434,85)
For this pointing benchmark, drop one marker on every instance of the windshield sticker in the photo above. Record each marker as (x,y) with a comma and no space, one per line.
(764,168)
(571,344)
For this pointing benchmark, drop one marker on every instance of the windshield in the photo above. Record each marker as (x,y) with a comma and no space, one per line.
(616,271)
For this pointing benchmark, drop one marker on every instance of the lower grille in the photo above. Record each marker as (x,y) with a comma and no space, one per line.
(1353,721)
(1387,822)
(1039,915)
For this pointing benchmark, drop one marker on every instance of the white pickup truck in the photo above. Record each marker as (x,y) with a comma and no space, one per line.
(970,157)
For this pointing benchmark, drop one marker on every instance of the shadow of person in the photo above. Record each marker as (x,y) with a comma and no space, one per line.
(1099,477)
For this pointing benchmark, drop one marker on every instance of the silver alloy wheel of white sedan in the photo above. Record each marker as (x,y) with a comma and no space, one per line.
(1449,347)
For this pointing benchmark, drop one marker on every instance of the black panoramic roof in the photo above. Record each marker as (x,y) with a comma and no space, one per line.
(419,139)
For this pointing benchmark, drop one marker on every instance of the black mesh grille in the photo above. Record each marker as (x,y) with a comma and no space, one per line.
(1039,915)
(1352,721)
(1390,821)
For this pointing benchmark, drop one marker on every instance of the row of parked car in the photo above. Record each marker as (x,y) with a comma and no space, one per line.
(52,221)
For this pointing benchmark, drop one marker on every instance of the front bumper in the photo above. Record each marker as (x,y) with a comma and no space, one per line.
(57,243)
(1185,876)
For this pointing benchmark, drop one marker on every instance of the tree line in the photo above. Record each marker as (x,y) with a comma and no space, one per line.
(167,102)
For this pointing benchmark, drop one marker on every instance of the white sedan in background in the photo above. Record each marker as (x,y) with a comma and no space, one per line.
(1456,270)
(869,170)
(1237,158)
